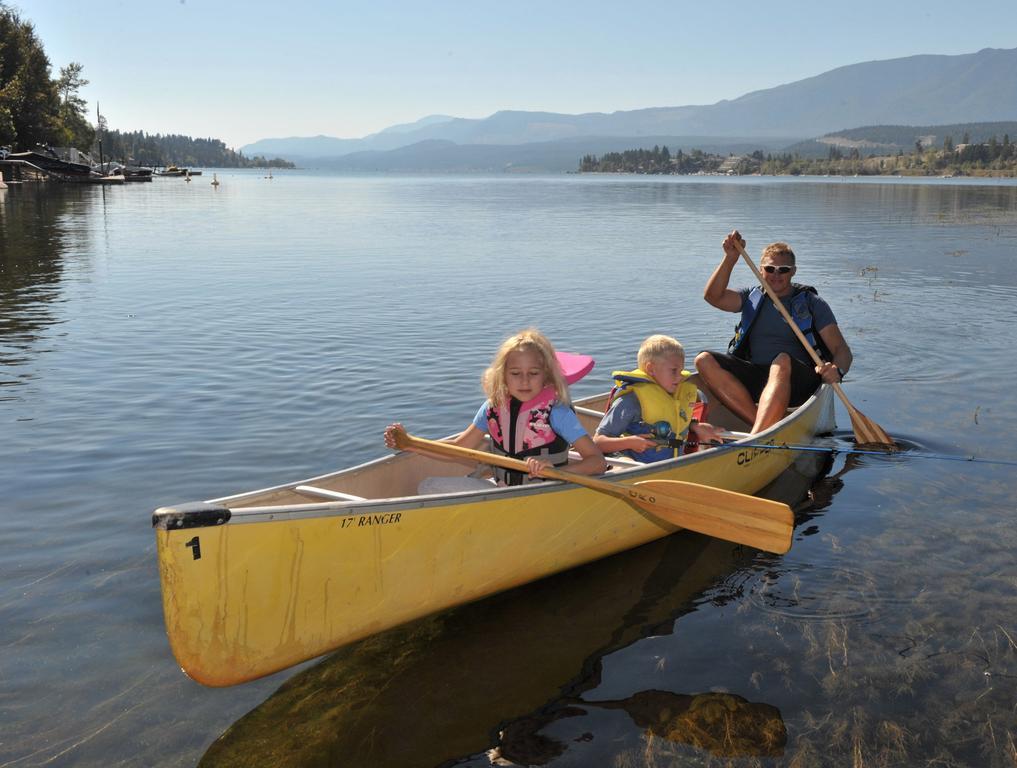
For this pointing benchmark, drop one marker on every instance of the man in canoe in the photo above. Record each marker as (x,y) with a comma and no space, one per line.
(766,363)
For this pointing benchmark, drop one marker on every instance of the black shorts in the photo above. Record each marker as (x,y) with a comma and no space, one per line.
(804,379)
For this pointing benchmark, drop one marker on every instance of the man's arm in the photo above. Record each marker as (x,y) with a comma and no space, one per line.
(840,354)
(716,292)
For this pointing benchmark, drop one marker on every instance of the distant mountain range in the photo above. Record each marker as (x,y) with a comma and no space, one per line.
(926,90)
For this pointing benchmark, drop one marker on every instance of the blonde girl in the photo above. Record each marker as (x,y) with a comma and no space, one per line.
(528,412)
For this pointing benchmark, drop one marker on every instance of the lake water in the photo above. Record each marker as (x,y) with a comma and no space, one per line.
(172,341)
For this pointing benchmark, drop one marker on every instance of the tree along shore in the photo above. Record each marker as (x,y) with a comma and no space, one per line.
(996,157)
(155,150)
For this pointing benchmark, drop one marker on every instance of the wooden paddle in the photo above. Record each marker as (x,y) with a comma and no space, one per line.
(736,517)
(866,430)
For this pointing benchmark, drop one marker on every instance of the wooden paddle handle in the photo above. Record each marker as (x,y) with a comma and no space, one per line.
(407,442)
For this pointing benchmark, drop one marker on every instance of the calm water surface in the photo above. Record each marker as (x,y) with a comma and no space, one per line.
(166,342)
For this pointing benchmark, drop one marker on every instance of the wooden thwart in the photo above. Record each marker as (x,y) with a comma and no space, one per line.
(867,432)
(723,514)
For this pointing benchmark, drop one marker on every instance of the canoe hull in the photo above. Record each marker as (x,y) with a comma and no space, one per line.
(271,586)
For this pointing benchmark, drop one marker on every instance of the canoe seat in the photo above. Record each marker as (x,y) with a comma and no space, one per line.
(615,463)
(618,462)
(627,461)
(325,493)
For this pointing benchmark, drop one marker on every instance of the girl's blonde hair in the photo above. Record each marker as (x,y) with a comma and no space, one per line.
(656,347)
(529,340)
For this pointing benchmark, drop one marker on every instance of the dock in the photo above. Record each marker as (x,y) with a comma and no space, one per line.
(18,171)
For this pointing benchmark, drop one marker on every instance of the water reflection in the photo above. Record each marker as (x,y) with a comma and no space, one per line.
(809,591)
(34,239)
(930,204)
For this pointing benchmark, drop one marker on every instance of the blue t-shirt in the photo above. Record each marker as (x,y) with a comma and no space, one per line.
(623,413)
(770,335)
(564,422)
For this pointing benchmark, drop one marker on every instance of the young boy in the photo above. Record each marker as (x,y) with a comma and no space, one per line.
(650,416)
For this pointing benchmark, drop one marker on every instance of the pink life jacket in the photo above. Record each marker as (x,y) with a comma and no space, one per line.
(521,430)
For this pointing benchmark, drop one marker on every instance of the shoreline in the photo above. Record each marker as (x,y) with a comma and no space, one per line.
(980,175)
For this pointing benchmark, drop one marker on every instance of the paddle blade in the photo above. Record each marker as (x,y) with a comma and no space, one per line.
(869,433)
(737,517)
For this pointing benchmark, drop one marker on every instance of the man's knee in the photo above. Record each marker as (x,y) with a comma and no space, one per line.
(705,360)
(782,363)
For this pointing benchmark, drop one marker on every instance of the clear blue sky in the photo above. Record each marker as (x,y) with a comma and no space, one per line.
(242,71)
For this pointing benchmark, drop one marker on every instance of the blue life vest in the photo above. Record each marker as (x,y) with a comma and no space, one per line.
(800,308)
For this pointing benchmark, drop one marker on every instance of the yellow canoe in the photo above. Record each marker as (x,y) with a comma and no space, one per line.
(257,582)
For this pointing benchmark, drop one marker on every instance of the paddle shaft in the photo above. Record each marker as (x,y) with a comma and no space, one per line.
(506,462)
(866,430)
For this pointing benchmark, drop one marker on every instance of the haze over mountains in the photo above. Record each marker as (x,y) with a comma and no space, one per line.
(917,90)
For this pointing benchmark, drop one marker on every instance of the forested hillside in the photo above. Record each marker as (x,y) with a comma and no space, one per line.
(993,155)
(889,139)
(141,148)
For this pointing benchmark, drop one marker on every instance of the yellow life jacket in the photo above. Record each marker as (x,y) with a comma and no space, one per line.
(657,406)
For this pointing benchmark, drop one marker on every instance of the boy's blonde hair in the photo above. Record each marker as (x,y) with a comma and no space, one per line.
(656,347)
(529,340)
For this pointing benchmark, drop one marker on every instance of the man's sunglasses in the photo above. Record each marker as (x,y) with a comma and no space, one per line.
(781,270)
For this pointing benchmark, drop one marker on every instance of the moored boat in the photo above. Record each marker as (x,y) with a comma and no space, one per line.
(131,172)
(172,170)
(256,582)
(73,166)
